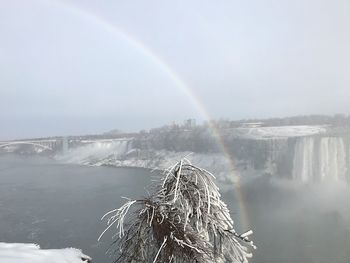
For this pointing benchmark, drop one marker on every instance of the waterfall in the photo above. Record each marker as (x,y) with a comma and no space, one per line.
(65,145)
(96,151)
(303,162)
(332,159)
(320,159)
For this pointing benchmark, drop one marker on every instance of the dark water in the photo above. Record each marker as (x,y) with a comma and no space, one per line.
(58,205)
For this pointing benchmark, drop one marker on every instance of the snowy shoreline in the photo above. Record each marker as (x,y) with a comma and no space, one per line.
(157,160)
(32,253)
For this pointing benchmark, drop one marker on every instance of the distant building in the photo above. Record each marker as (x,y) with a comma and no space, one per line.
(190,123)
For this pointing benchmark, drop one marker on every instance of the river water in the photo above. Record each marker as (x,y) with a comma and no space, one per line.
(58,205)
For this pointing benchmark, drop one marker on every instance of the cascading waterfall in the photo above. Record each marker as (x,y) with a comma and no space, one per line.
(303,159)
(320,159)
(96,151)
(332,159)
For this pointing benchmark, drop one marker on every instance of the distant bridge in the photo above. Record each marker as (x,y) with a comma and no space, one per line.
(128,139)
(61,143)
(44,144)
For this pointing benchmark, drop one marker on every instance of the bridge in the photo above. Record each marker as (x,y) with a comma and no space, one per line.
(54,145)
(44,144)
(128,139)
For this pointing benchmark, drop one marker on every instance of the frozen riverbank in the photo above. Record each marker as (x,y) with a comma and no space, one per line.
(31,253)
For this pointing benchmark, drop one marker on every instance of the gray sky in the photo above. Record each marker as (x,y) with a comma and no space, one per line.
(81,66)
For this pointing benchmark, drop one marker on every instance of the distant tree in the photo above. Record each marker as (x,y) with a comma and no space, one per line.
(184,220)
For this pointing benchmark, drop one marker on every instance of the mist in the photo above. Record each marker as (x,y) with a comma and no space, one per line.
(294,222)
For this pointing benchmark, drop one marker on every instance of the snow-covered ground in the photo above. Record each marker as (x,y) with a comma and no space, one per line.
(152,159)
(31,253)
(280,131)
(119,154)
(216,163)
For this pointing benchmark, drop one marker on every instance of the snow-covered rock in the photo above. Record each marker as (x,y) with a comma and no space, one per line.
(31,253)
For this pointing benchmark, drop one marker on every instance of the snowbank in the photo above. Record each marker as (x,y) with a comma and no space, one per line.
(281,131)
(152,159)
(31,253)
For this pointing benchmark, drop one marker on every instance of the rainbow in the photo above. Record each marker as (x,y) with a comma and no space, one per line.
(118,33)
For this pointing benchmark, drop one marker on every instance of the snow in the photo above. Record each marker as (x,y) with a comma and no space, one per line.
(119,154)
(162,159)
(281,131)
(31,253)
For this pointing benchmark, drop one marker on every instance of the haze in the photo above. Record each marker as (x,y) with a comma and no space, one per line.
(77,67)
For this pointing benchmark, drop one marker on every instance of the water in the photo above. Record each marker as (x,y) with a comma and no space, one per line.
(58,205)
(320,159)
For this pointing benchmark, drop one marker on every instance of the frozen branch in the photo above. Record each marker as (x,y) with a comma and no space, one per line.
(185,220)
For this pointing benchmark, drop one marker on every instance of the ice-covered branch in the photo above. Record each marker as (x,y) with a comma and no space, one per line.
(185,220)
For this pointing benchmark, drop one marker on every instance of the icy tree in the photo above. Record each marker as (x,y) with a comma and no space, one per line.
(184,220)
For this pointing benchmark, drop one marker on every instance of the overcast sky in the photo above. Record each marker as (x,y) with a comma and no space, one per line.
(79,67)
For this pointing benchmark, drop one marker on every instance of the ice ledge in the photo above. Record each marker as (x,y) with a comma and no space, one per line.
(31,253)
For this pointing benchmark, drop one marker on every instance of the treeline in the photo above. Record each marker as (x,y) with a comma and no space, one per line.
(198,139)
(201,140)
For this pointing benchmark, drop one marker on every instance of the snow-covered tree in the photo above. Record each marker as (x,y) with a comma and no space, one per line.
(184,220)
